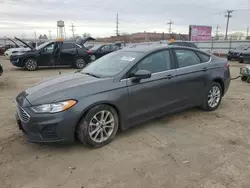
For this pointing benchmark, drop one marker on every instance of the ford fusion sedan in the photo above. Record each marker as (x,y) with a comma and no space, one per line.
(120,90)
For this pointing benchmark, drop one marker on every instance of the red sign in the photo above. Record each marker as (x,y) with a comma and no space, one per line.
(200,33)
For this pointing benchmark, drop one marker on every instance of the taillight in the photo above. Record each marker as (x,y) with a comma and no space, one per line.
(227,65)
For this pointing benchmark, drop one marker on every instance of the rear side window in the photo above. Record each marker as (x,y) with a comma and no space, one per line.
(186,58)
(68,45)
(204,57)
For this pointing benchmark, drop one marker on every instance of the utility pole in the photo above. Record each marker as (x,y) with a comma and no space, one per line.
(50,34)
(170,26)
(73,30)
(247,30)
(117,25)
(35,35)
(217,32)
(228,16)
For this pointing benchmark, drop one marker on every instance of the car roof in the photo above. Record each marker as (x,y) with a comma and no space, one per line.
(148,49)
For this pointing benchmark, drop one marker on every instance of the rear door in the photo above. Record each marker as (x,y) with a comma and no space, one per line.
(67,53)
(193,74)
(156,95)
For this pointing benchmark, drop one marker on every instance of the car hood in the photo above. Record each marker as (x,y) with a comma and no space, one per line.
(63,87)
(18,49)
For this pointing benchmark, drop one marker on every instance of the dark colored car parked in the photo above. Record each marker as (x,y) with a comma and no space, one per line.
(119,90)
(5,47)
(1,70)
(244,57)
(187,44)
(100,50)
(54,53)
(235,53)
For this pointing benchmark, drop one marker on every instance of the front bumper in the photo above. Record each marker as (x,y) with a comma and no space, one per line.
(47,128)
(16,61)
(233,56)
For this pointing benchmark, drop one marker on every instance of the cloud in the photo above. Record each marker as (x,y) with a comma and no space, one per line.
(98,17)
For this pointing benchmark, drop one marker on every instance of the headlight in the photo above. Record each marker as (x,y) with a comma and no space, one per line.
(54,107)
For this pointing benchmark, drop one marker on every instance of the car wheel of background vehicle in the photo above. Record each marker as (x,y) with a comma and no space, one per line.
(241,61)
(213,97)
(92,58)
(98,127)
(244,78)
(229,58)
(80,63)
(31,64)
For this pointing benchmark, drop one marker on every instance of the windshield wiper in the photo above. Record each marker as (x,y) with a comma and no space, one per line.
(91,74)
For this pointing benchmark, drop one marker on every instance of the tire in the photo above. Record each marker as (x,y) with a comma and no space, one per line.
(91,135)
(80,63)
(31,64)
(244,78)
(241,61)
(208,103)
(229,58)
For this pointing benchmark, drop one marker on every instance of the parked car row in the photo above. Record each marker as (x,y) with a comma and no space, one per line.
(5,47)
(117,91)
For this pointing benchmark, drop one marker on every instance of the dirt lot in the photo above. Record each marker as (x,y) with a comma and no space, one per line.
(191,149)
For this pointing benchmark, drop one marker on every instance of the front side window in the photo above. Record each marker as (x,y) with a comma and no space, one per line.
(156,62)
(50,47)
(186,58)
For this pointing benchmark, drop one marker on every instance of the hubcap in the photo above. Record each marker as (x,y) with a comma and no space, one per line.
(101,126)
(31,64)
(80,63)
(92,58)
(214,96)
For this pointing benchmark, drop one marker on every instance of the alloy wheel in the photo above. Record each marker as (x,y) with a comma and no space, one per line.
(214,96)
(80,63)
(92,58)
(101,126)
(31,64)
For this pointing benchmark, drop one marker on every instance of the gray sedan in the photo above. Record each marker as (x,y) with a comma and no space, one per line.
(120,90)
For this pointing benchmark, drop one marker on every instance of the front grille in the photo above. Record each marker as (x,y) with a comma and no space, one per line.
(23,115)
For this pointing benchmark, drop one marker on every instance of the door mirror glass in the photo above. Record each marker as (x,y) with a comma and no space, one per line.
(141,74)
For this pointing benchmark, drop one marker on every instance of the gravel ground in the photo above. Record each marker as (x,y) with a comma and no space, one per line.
(190,149)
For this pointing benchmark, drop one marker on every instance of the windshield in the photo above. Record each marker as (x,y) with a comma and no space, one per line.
(42,45)
(111,64)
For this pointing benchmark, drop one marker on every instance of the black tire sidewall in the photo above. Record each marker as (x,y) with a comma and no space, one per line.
(83,61)
(25,66)
(83,127)
(206,106)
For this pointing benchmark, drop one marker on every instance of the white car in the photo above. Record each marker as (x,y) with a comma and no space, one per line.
(20,50)
(16,51)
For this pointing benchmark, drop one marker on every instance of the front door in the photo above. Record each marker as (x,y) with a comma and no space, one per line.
(46,56)
(193,76)
(156,95)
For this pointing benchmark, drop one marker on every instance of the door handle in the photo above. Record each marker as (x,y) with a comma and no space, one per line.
(169,76)
(204,69)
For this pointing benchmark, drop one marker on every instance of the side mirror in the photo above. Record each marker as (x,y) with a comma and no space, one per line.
(141,74)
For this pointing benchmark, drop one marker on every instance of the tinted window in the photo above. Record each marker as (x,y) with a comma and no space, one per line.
(111,64)
(187,58)
(156,62)
(68,45)
(204,57)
